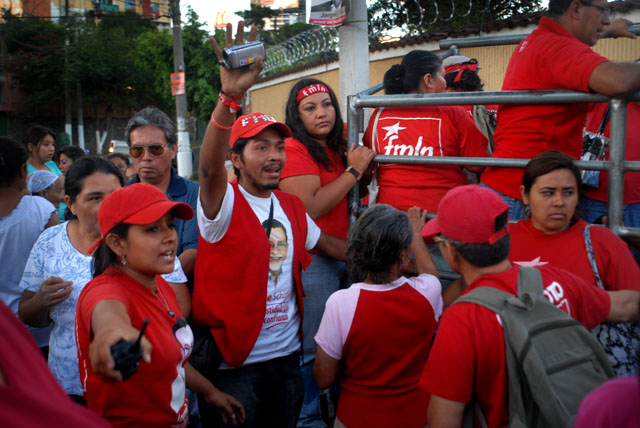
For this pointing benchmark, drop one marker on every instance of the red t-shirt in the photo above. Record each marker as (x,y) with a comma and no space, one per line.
(300,162)
(31,396)
(468,355)
(632,153)
(618,270)
(154,395)
(549,58)
(382,334)
(422,131)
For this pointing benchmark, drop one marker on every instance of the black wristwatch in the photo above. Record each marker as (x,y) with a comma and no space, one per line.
(354,172)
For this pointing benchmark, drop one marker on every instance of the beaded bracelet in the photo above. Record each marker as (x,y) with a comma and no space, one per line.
(217,125)
(233,106)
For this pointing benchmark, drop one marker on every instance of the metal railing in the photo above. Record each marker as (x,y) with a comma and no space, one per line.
(616,165)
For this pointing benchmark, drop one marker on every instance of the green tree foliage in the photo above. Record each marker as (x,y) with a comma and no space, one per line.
(415,17)
(122,62)
(35,58)
(257,14)
(153,57)
(202,70)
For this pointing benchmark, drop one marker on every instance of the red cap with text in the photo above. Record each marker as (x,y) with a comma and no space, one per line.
(468,214)
(252,124)
(138,203)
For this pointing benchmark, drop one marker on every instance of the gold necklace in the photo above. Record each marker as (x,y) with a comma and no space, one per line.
(159,293)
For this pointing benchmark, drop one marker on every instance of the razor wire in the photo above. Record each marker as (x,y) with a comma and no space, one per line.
(306,45)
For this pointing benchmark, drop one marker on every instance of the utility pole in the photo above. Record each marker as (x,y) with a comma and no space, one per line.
(67,97)
(185,162)
(354,52)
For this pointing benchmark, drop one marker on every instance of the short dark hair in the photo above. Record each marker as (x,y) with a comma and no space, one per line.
(238,148)
(275,224)
(124,158)
(335,138)
(36,133)
(152,116)
(72,152)
(558,7)
(13,157)
(545,163)
(483,255)
(80,170)
(405,77)
(376,241)
(103,257)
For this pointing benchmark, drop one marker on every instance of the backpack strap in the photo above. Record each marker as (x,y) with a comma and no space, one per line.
(489,297)
(529,286)
(591,255)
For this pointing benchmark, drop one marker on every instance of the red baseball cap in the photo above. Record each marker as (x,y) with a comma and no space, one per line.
(138,203)
(250,125)
(467,214)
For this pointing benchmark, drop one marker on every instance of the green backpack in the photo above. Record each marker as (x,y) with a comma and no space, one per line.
(553,362)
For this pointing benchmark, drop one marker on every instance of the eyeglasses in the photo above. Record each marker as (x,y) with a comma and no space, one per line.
(604,10)
(154,149)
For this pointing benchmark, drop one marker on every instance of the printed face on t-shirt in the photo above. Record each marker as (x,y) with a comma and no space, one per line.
(278,253)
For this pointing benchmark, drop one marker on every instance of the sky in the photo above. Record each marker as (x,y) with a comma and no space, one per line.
(208,9)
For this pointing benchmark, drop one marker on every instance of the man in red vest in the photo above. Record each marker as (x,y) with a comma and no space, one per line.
(255,320)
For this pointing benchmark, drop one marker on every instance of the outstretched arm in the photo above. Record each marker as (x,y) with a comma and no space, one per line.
(422,256)
(234,84)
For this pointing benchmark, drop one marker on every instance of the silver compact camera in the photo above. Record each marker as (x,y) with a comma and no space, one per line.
(243,55)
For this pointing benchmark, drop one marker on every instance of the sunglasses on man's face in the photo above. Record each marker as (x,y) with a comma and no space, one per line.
(154,149)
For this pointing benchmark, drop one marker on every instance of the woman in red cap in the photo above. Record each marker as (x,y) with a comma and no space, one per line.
(320,171)
(138,244)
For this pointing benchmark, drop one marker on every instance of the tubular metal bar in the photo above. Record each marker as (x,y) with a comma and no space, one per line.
(354,127)
(631,232)
(616,161)
(500,162)
(510,39)
(499,97)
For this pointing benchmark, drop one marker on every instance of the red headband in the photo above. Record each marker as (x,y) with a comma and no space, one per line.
(310,90)
(460,68)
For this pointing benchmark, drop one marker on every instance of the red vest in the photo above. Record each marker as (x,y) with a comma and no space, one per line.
(231,276)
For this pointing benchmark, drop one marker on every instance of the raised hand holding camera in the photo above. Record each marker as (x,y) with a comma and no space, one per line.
(236,81)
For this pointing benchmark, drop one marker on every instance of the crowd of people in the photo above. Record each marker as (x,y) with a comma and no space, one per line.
(247,299)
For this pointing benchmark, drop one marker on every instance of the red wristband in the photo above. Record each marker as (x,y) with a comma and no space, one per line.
(217,125)
(233,106)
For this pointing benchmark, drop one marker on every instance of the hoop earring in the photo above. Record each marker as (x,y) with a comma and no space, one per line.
(123,261)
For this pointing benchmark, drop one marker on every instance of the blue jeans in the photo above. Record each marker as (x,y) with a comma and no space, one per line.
(590,210)
(323,277)
(270,391)
(517,210)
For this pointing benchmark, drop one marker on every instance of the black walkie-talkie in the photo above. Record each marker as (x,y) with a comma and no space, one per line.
(127,355)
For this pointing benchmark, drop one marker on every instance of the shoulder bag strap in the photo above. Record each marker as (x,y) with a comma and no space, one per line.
(591,255)
(605,119)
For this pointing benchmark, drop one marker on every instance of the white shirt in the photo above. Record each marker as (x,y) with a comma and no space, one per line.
(18,231)
(280,329)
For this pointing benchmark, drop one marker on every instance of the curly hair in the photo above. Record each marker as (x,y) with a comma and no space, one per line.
(335,139)
(376,241)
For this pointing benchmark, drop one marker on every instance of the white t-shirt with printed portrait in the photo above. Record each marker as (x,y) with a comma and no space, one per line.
(279,335)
